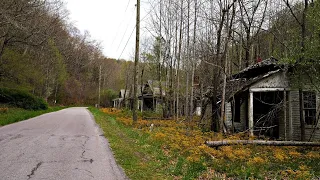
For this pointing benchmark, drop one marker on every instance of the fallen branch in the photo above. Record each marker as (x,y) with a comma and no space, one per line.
(260,143)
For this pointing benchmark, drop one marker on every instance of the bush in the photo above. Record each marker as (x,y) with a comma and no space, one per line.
(107,96)
(22,99)
(4,110)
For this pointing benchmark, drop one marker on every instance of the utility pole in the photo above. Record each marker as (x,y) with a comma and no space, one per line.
(136,60)
(99,87)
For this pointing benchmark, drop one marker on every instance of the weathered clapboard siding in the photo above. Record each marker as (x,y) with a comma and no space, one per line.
(243,115)
(284,124)
(296,120)
(295,114)
(278,80)
(317,133)
(239,126)
(228,112)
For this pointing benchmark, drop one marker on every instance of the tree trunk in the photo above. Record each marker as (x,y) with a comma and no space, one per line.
(179,58)
(193,61)
(225,58)
(303,38)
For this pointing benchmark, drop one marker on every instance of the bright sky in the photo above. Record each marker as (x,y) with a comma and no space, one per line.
(110,22)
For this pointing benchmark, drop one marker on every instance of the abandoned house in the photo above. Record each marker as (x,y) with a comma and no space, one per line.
(261,99)
(149,98)
(120,101)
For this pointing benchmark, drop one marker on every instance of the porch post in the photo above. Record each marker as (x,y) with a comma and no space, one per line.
(250,113)
(142,105)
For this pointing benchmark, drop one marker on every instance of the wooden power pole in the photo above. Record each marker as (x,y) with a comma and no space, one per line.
(136,60)
(99,96)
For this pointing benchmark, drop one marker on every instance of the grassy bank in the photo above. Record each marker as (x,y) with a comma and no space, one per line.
(13,115)
(175,150)
(141,156)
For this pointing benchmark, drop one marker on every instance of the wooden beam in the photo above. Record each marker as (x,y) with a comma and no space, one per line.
(265,89)
(260,143)
(142,105)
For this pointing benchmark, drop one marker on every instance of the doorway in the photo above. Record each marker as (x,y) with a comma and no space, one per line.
(267,108)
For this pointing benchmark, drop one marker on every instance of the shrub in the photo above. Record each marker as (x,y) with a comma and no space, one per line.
(22,99)
(107,96)
(4,110)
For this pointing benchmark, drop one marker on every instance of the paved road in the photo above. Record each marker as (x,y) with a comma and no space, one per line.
(63,145)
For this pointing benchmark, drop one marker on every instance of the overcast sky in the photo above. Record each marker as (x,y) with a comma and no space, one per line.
(110,22)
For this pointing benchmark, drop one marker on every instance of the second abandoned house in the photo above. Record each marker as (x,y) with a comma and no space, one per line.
(149,95)
(262,100)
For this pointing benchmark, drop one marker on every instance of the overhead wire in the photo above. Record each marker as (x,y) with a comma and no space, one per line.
(132,34)
(117,33)
(125,32)
(127,42)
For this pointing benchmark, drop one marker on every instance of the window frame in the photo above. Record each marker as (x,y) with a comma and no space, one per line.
(312,109)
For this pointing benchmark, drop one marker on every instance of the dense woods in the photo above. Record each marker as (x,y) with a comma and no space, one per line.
(198,44)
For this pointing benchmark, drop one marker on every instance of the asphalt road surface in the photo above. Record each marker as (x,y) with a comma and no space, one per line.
(62,145)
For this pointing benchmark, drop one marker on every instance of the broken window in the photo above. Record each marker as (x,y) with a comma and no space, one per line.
(309,107)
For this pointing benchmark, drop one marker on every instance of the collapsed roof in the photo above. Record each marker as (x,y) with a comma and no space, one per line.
(242,80)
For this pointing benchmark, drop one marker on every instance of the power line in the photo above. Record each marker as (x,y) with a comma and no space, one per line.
(127,42)
(127,6)
(120,24)
(131,35)
(125,32)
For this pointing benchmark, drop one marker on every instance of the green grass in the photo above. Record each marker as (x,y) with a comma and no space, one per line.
(143,157)
(139,156)
(14,115)
(133,152)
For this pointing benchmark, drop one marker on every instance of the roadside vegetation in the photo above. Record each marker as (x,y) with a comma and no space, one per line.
(21,99)
(9,115)
(17,105)
(166,149)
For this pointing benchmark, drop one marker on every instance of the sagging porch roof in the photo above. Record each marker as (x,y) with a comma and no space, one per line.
(242,80)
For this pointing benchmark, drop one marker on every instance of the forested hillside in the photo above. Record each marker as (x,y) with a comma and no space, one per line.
(43,53)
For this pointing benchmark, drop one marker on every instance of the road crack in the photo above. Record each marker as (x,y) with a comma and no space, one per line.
(88,160)
(34,170)
(82,155)
(89,173)
(84,159)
